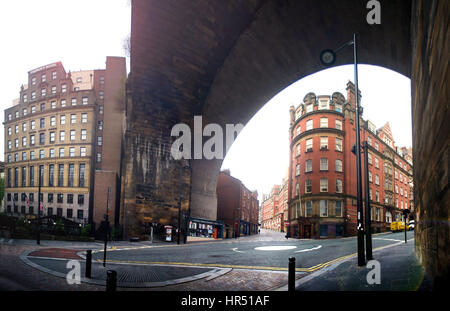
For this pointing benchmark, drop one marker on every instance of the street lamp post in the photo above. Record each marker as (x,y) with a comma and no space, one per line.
(328,57)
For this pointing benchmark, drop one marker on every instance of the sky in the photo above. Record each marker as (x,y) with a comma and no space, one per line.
(259,156)
(80,34)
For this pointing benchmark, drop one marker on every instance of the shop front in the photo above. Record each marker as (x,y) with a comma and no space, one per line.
(205,228)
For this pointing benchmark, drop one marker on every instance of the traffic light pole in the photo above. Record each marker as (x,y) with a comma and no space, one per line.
(369,255)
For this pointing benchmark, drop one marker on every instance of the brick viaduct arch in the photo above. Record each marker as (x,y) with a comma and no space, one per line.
(225,59)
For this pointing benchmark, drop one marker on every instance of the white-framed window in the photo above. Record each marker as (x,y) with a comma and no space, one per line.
(9,144)
(401,177)
(323,208)
(43,92)
(308,186)
(377,196)
(33,81)
(33,95)
(100,126)
(102,80)
(84,118)
(323,185)
(63,88)
(41,154)
(101,94)
(309,145)
(376,146)
(338,144)
(82,151)
(85,101)
(401,191)
(43,77)
(52,137)
(73,118)
(309,125)
(63,103)
(339,187)
(308,208)
(53,104)
(61,152)
(297,189)
(338,124)
(338,165)
(370,176)
(297,170)
(52,121)
(16,143)
(62,119)
(71,151)
(324,164)
(99,140)
(324,104)
(62,136)
(323,142)
(24,156)
(32,141)
(16,129)
(338,107)
(25,98)
(72,134)
(308,166)
(323,122)
(297,149)
(54,89)
(298,130)
(309,108)
(396,189)
(24,141)
(73,101)
(376,163)
(377,214)
(9,131)
(52,153)
(370,194)
(369,158)
(100,109)
(54,75)
(99,157)
(31,155)
(83,134)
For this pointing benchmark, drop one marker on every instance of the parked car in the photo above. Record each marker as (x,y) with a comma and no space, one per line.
(397,226)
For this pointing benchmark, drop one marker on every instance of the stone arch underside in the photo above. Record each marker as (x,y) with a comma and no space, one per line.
(224,60)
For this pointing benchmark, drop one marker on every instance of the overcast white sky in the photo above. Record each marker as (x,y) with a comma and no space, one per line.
(82,33)
(78,33)
(260,155)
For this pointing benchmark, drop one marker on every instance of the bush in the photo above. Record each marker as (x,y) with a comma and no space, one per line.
(86,230)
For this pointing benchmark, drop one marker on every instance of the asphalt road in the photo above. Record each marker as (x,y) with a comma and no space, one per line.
(247,253)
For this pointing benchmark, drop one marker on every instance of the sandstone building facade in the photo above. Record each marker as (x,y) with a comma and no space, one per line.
(67,128)
(322,187)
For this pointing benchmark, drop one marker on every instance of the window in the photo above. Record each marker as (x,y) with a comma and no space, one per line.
(41,154)
(99,157)
(54,89)
(297,130)
(323,143)
(324,164)
(297,149)
(339,186)
(323,104)
(71,151)
(376,146)
(60,198)
(370,176)
(338,209)
(42,122)
(73,102)
(323,208)
(73,118)
(52,137)
(309,145)
(51,177)
(401,191)
(81,199)
(71,174)
(370,194)
(99,140)
(82,151)
(309,125)
(52,121)
(70,198)
(54,75)
(33,81)
(308,167)
(80,214)
(69,213)
(83,134)
(52,153)
(24,156)
(61,152)
(100,125)
(72,135)
(33,96)
(100,109)
(24,176)
(308,208)
(16,129)
(33,124)
(308,186)
(369,158)
(60,176)
(85,100)
(31,155)
(24,141)
(82,174)
(377,179)
(396,174)
(16,143)
(297,189)
(101,94)
(63,103)
(43,78)
(323,122)
(338,107)
(62,136)
(53,105)
(25,98)
(79,79)
(16,157)
(9,144)
(338,144)
(323,185)
(42,138)
(376,163)
(338,166)
(102,80)
(9,131)
(63,88)
(339,124)
(43,93)
(9,158)
(59,211)
(24,127)
(297,170)
(377,196)
(84,118)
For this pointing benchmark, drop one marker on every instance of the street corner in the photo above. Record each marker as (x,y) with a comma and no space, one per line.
(60,253)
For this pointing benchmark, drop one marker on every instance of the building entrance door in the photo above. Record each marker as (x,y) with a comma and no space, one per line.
(307,231)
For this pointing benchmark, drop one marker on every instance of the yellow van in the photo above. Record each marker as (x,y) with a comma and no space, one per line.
(397,226)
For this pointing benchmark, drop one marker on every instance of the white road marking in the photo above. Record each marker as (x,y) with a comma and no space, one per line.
(274,248)
(235,250)
(10,241)
(387,239)
(308,249)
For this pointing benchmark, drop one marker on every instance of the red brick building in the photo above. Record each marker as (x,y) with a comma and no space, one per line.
(274,208)
(322,174)
(237,207)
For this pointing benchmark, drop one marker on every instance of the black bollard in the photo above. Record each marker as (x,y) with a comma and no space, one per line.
(88,263)
(111,281)
(291,274)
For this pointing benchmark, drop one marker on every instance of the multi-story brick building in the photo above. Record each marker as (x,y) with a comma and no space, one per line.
(66,127)
(237,206)
(322,187)
(274,208)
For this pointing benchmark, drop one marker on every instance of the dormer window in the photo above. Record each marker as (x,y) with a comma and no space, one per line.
(338,107)
(323,104)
